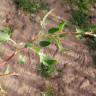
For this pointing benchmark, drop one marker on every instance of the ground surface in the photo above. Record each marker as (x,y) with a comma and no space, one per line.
(77,74)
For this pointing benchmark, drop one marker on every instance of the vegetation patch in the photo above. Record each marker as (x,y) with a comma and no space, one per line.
(31,6)
(80,11)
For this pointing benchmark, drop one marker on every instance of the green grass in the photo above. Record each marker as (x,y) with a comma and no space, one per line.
(80,11)
(31,6)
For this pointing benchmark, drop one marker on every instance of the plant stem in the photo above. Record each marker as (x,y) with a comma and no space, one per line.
(13,41)
(9,74)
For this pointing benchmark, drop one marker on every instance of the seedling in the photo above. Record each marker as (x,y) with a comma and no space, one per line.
(53,36)
(43,40)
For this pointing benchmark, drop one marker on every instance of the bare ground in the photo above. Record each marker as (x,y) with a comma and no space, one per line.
(77,75)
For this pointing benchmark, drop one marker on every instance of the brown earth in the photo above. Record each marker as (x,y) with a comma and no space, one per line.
(77,74)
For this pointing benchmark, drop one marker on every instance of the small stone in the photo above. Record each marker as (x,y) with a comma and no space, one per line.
(85,84)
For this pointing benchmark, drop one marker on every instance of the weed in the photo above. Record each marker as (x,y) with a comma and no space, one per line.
(53,36)
(43,40)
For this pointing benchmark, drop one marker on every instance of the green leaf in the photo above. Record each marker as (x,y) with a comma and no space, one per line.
(53,30)
(4,37)
(44,43)
(45,60)
(50,61)
(80,30)
(47,65)
(35,48)
(22,59)
(61,25)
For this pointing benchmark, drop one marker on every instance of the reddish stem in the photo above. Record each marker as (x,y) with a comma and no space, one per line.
(9,58)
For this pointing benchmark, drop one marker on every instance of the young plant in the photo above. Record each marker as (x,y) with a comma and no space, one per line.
(42,41)
(53,36)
